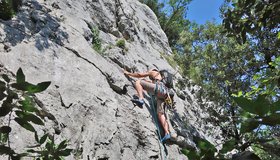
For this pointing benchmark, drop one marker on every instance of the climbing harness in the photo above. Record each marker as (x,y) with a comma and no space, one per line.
(164,92)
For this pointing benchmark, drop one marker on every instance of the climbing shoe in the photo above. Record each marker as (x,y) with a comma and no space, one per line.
(138,102)
(166,137)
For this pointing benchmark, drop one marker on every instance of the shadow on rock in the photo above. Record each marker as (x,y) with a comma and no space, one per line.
(34,21)
(185,131)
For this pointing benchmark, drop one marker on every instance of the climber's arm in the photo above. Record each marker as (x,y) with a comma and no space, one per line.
(137,74)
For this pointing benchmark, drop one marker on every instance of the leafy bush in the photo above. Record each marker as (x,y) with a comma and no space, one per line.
(50,150)
(96,42)
(206,150)
(121,43)
(170,59)
(6,9)
(18,100)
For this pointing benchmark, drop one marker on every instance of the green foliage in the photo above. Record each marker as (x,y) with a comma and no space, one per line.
(6,9)
(213,61)
(191,154)
(206,150)
(241,56)
(121,43)
(20,76)
(260,106)
(170,59)
(229,145)
(49,150)
(154,5)
(223,66)
(257,23)
(96,42)
(181,84)
(248,125)
(5,129)
(172,17)
(252,17)
(266,81)
(18,100)
(4,132)
(28,104)
(263,154)
(174,21)
(6,150)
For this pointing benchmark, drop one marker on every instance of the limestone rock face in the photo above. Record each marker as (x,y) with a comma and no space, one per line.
(89,96)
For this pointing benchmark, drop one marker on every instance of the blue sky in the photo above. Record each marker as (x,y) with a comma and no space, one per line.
(202,10)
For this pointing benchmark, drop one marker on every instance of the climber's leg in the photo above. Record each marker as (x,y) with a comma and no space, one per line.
(163,120)
(140,86)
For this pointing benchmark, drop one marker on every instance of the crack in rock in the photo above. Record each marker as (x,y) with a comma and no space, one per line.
(109,78)
(62,102)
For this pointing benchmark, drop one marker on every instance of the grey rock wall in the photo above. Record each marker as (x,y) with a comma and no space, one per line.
(89,96)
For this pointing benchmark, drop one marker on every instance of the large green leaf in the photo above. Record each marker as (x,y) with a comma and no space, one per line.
(2,90)
(43,139)
(2,86)
(5,109)
(19,86)
(6,78)
(65,152)
(2,96)
(22,86)
(260,106)
(33,118)
(5,129)
(28,104)
(49,146)
(20,76)
(246,115)
(6,150)
(36,137)
(62,145)
(245,104)
(207,150)
(39,152)
(272,120)
(31,88)
(248,125)
(228,146)
(275,106)
(29,117)
(12,95)
(25,124)
(39,87)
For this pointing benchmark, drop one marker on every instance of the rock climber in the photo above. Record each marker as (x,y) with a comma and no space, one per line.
(156,87)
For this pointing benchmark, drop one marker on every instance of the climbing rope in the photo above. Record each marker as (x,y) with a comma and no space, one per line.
(154,110)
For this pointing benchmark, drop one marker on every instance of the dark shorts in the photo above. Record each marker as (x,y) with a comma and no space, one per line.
(157,89)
